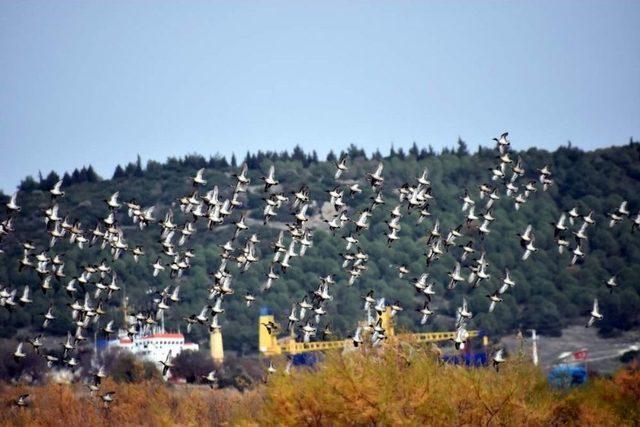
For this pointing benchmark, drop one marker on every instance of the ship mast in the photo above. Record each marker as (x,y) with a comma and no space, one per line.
(125,302)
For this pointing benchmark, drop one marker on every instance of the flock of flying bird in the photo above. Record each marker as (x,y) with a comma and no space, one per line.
(97,283)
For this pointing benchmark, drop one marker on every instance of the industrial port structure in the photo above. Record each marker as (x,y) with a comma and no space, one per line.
(270,345)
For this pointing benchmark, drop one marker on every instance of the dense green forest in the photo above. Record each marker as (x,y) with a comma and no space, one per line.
(550,293)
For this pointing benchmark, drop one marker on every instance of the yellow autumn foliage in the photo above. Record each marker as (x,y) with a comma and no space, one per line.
(407,385)
(142,404)
(402,385)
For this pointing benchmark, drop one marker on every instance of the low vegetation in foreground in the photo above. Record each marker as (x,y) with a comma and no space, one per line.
(403,385)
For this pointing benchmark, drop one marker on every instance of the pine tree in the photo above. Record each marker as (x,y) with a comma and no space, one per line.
(462,148)
(392,152)
(51,180)
(298,154)
(92,176)
(75,176)
(413,151)
(138,172)
(354,152)
(28,184)
(118,173)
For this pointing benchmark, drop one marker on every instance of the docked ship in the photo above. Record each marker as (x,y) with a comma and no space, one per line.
(151,343)
(154,344)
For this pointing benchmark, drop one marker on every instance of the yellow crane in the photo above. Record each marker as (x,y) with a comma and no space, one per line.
(269,345)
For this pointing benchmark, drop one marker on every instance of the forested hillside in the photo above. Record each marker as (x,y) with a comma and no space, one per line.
(550,293)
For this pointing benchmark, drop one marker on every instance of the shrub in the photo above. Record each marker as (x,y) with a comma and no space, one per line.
(123,366)
(402,384)
(191,365)
(32,368)
(407,385)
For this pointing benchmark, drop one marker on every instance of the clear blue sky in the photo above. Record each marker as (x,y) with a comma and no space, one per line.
(99,82)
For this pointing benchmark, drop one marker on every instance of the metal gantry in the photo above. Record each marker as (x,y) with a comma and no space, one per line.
(270,345)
